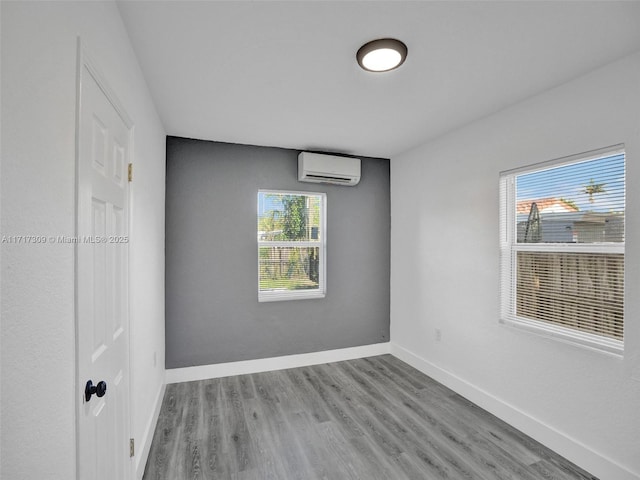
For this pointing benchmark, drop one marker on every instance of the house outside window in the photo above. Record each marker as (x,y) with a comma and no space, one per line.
(291,245)
(562,248)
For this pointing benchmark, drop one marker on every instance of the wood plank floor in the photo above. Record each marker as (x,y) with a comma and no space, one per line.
(373,418)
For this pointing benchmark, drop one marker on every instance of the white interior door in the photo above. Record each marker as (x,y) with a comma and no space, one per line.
(104,143)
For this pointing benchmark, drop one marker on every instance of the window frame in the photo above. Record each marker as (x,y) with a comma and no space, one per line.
(285,295)
(509,248)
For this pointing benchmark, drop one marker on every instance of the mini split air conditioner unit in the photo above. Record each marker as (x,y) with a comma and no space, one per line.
(319,168)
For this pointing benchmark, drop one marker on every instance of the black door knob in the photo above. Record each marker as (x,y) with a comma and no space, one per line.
(100,389)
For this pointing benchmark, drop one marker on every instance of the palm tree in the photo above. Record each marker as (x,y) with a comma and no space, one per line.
(594,188)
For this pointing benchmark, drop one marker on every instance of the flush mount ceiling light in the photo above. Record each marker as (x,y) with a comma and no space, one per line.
(382,55)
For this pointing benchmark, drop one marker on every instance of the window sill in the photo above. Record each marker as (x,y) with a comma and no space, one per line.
(567,335)
(279,296)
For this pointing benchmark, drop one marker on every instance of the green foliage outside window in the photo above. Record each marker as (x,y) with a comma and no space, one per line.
(288,218)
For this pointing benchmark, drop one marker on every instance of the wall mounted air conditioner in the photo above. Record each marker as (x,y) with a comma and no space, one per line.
(319,168)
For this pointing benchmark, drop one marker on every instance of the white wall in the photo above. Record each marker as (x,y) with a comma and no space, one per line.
(38,162)
(445,273)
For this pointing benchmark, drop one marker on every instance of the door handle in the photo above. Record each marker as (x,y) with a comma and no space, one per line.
(100,389)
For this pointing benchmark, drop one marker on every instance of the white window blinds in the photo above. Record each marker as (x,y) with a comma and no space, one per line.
(291,245)
(562,247)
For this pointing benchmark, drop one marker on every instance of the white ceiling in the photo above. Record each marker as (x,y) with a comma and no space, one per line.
(284,73)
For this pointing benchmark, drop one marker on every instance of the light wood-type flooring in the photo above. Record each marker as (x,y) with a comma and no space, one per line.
(372,418)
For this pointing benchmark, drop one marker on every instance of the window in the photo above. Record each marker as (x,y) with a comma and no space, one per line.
(562,248)
(291,245)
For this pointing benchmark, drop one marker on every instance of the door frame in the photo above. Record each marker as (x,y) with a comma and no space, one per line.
(84,60)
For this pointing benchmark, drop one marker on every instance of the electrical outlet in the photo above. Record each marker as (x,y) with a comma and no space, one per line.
(438,335)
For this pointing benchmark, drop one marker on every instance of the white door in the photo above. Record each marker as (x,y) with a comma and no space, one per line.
(104,143)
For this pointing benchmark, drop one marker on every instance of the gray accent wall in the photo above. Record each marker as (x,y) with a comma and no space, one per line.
(212,309)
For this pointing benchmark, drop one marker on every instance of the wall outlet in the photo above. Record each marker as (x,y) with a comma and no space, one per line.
(438,335)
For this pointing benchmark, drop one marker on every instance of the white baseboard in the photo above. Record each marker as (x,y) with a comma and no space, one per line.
(143,448)
(203,372)
(580,454)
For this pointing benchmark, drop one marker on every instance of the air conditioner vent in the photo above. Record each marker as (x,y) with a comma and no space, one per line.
(320,168)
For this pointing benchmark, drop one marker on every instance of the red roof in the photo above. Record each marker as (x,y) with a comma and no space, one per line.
(524,206)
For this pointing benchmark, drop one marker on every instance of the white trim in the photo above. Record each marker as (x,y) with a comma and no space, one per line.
(80,59)
(285,295)
(577,158)
(144,447)
(290,244)
(203,372)
(559,442)
(302,193)
(617,247)
(596,343)
(87,61)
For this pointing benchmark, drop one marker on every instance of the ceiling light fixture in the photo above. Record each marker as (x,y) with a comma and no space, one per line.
(382,55)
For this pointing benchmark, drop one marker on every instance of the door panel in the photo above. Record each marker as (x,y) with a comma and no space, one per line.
(104,142)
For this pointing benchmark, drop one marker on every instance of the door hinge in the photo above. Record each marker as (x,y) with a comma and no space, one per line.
(130,170)
(132,448)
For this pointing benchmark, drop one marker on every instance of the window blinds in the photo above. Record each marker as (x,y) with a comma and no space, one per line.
(562,245)
(290,245)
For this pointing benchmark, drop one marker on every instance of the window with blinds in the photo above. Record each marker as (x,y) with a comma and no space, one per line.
(291,245)
(562,248)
